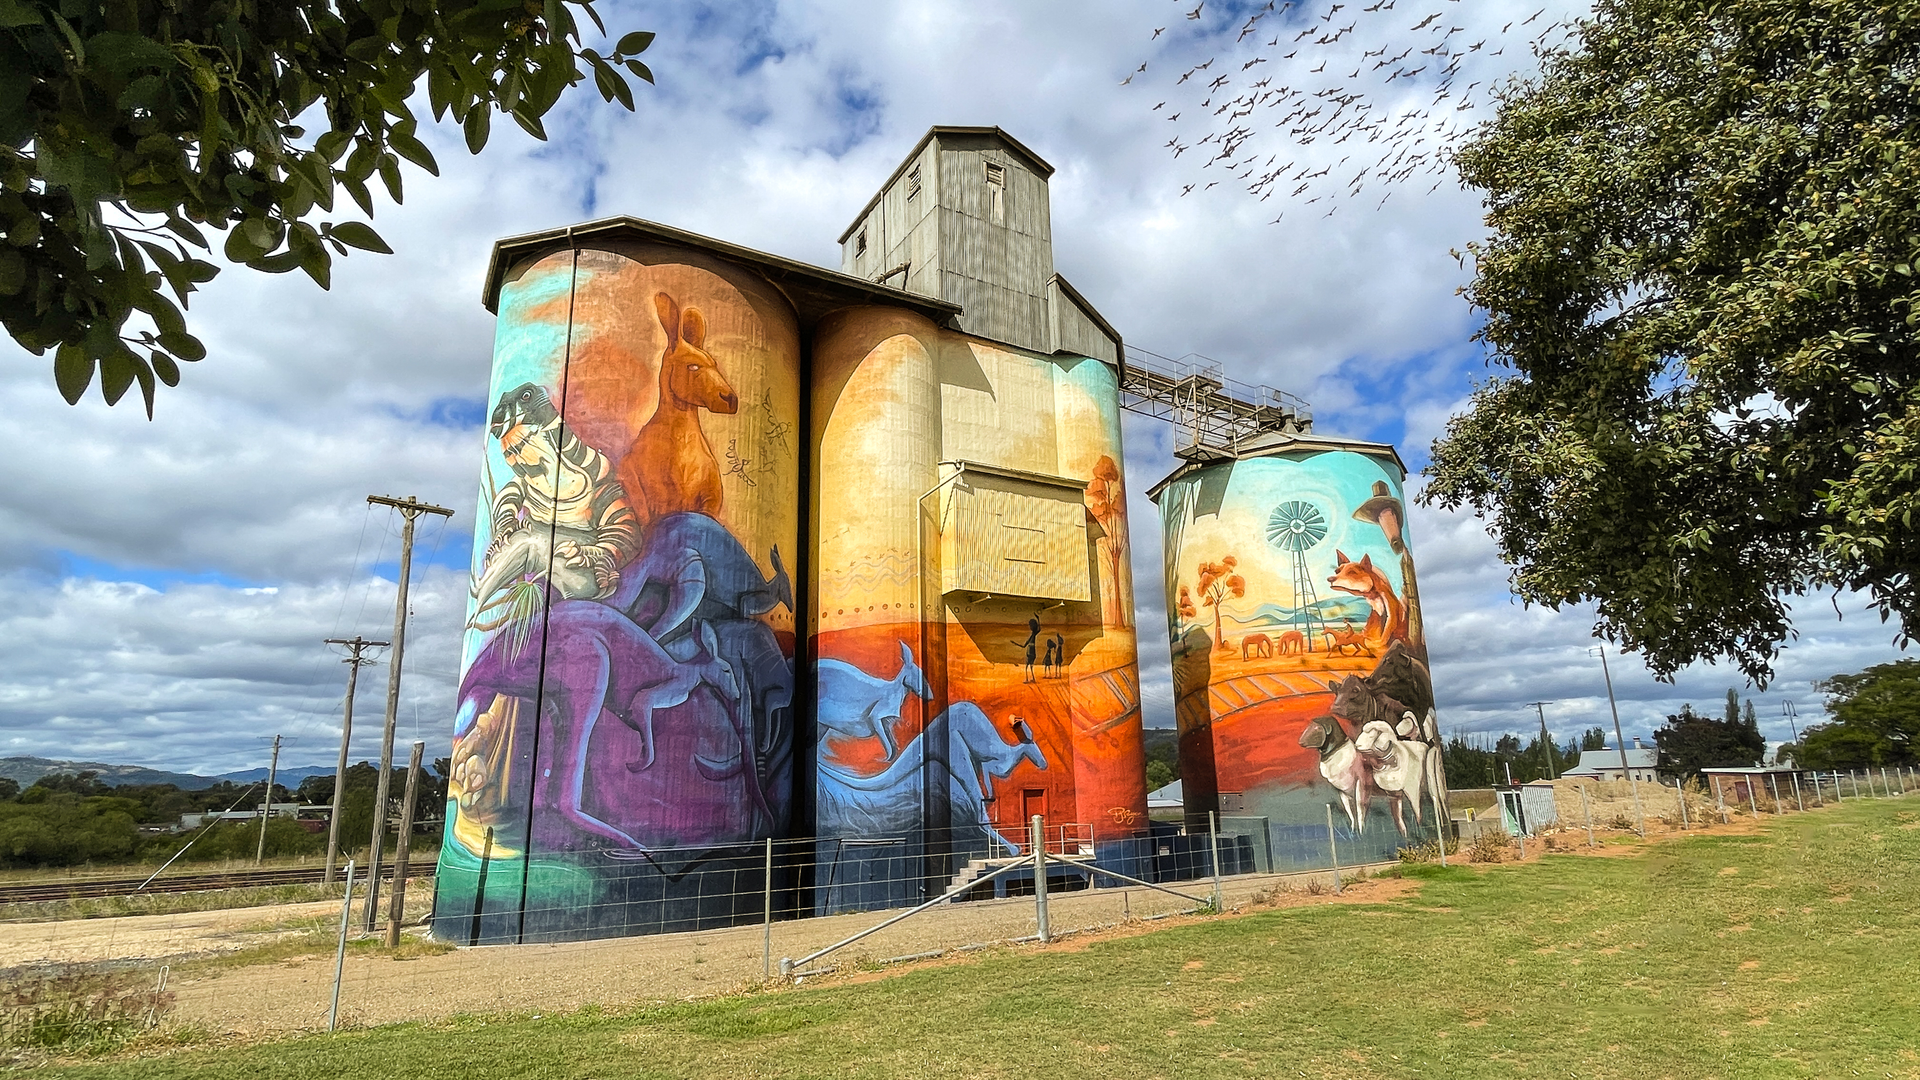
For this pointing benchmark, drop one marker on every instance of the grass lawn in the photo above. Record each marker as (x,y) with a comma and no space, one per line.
(1790,952)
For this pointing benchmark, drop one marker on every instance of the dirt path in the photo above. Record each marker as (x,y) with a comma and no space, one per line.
(294,994)
(151,937)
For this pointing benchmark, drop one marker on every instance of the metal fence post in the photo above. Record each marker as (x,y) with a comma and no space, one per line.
(1333,850)
(1038,828)
(1884,782)
(1773,782)
(766,937)
(1797,800)
(1213,849)
(340,952)
(1753,799)
(1680,792)
(1587,812)
(1720,797)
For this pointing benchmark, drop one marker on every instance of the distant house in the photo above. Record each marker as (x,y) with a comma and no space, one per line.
(1643,763)
(1166,798)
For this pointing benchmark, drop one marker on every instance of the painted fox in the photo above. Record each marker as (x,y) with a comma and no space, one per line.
(1388,621)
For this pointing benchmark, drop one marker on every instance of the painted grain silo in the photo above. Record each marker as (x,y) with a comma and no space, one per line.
(628,670)
(1299,657)
(972,626)
(767,550)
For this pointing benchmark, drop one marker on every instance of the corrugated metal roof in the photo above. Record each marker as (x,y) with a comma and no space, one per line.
(1593,762)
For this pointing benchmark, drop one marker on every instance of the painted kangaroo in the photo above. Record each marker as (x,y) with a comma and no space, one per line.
(593,659)
(855,705)
(888,803)
(1255,645)
(670,468)
(699,568)
(1388,620)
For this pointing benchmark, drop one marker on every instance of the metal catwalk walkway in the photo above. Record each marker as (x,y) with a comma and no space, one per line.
(1212,415)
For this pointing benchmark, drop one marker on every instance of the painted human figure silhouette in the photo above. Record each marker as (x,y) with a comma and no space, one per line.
(1033,636)
(1059,646)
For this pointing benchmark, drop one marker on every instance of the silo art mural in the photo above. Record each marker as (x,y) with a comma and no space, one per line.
(1299,654)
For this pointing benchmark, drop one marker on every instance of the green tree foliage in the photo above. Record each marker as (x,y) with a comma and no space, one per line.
(1690,742)
(1701,279)
(1876,720)
(1593,739)
(59,828)
(127,125)
(1472,762)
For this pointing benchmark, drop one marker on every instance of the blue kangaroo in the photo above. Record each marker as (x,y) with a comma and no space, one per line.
(855,705)
(699,569)
(888,802)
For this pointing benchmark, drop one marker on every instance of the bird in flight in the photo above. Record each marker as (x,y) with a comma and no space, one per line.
(1195,13)
(1157,33)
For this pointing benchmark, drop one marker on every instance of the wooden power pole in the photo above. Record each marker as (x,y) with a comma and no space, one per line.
(401,848)
(266,808)
(358,645)
(410,508)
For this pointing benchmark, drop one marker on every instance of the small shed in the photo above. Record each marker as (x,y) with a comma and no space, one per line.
(1525,809)
(1775,785)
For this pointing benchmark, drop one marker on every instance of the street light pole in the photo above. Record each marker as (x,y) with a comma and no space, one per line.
(1620,740)
(1792,714)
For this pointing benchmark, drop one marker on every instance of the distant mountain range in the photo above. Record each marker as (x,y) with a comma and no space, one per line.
(25,770)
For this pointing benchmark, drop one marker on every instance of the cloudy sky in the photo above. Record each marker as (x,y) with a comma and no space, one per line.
(165,585)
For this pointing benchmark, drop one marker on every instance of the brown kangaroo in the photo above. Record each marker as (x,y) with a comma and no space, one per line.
(1253,644)
(670,468)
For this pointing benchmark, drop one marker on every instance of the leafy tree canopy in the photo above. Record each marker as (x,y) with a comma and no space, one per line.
(127,125)
(1701,281)
(1690,742)
(1876,720)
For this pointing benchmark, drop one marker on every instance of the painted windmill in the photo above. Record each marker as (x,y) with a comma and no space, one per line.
(1296,528)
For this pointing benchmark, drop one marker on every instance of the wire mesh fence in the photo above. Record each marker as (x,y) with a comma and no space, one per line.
(725,923)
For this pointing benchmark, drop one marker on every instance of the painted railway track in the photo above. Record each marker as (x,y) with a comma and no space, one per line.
(129,886)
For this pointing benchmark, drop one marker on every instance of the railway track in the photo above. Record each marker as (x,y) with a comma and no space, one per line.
(90,888)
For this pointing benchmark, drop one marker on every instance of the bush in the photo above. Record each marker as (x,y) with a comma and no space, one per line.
(79,1010)
(1490,846)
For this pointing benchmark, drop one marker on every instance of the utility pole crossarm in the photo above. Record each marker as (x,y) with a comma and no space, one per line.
(409,506)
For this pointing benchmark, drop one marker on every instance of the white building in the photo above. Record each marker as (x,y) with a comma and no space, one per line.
(1643,763)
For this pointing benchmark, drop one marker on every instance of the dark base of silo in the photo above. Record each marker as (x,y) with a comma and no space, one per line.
(582,896)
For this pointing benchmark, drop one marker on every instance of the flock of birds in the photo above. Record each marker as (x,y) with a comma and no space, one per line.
(1333,93)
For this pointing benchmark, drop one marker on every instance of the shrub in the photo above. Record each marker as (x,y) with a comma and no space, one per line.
(1490,846)
(79,1010)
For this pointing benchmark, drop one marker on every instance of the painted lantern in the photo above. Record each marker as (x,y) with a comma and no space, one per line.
(625,709)
(1299,659)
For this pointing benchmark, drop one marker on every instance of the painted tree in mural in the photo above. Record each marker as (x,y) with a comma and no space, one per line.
(125,128)
(1107,502)
(1186,609)
(1218,584)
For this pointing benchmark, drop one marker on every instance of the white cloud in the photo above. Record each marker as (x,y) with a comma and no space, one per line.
(136,557)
